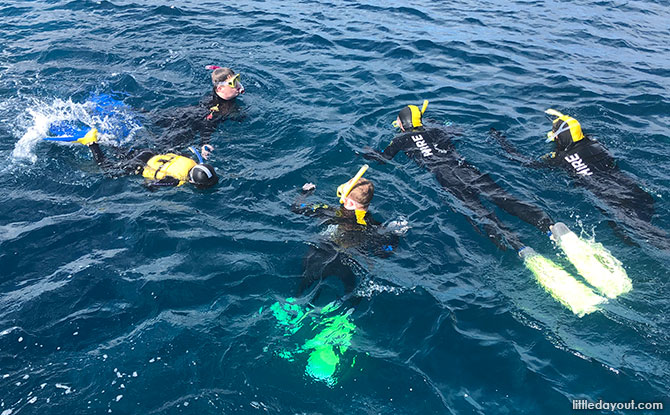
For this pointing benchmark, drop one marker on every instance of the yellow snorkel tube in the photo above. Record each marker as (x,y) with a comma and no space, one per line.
(344,189)
(553,112)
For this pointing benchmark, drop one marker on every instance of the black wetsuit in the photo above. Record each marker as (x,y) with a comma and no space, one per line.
(181,125)
(595,169)
(433,149)
(332,256)
(132,164)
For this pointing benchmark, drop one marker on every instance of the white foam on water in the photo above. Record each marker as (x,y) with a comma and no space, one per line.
(7,331)
(369,288)
(68,389)
(41,114)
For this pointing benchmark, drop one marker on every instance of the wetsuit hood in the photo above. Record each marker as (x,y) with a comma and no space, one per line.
(410,116)
(565,130)
(203,176)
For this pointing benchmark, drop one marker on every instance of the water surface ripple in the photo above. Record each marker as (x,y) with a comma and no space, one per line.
(114,299)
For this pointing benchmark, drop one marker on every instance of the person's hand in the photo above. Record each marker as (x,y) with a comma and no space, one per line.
(370,154)
(399,226)
(308,187)
(206,150)
(548,156)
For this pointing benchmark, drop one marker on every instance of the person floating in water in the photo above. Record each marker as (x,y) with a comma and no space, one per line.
(587,161)
(433,149)
(183,124)
(158,169)
(349,227)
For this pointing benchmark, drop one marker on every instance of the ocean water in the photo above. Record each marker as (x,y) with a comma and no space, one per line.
(115,299)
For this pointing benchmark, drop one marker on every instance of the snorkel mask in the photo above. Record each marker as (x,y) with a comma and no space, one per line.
(566,130)
(410,116)
(344,189)
(232,82)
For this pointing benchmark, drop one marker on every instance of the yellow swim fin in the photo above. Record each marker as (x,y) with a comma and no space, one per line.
(593,261)
(565,289)
(90,137)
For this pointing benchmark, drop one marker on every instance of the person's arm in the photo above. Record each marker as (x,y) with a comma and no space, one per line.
(224,112)
(387,154)
(301,207)
(514,155)
(208,128)
(386,244)
(382,241)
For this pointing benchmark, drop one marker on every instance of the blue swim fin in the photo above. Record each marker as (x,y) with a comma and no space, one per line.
(67,131)
(74,137)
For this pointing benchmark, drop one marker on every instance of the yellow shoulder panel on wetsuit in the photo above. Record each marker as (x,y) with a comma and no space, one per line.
(360,217)
(417,113)
(416,116)
(575,128)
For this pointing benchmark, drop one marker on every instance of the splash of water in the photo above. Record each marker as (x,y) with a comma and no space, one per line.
(114,120)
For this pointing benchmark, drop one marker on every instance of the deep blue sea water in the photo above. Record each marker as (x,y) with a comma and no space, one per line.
(114,299)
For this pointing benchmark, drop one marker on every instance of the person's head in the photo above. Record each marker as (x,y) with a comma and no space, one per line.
(565,130)
(360,196)
(409,117)
(203,176)
(227,83)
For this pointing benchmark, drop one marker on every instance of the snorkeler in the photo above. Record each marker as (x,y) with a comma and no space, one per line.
(158,169)
(432,148)
(183,124)
(350,226)
(593,167)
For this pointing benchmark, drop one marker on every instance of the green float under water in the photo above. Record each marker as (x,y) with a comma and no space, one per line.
(327,346)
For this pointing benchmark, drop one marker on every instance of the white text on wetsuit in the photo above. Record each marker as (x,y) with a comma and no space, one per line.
(421,144)
(578,164)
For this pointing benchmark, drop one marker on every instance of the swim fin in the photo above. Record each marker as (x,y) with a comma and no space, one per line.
(332,338)
(329,344)
(593,261)
(72,136)
(567,290)
(67,130)
(90,137)
(290,315)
